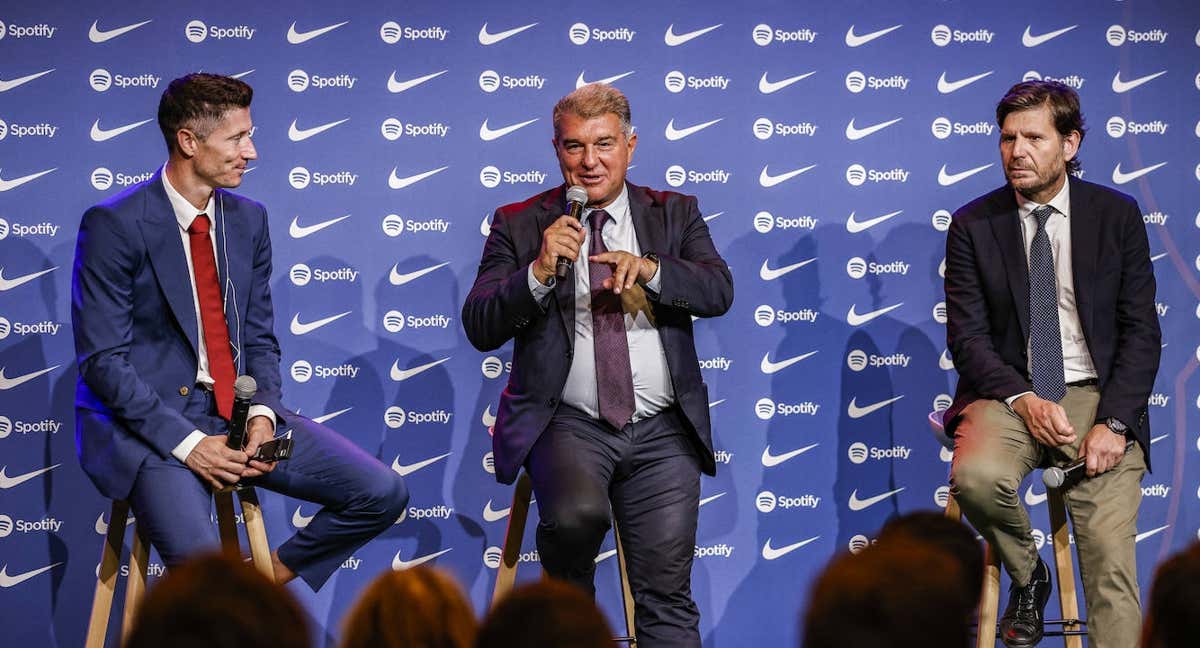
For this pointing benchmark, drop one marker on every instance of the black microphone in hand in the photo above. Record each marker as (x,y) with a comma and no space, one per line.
(1063,477)
(576,198)
(243,390)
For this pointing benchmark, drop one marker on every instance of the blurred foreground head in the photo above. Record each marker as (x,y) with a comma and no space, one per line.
(420,607)
(546,614)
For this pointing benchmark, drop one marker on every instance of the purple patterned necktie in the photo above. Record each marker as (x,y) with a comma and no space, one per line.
(614,378)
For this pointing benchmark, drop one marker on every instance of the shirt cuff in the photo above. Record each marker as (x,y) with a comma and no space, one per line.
(656,280)
(1012,399)
(538,289)
(189,443)
(262,410)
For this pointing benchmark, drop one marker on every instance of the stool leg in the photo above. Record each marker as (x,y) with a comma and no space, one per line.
(1064,566)
(106,577)
(135,586)
(989,599)
(227,522)
(511,552)
(256,532)
(626,593)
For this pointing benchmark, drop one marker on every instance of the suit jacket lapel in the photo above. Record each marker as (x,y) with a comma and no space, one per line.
(165,249)
(648,221)
(1085,235)
(1006,226)
(234,261)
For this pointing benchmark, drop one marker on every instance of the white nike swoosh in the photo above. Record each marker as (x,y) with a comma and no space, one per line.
(295,230)
(491,39)
(9,284)
(767,180)
(853,133)
(97,35)
(331,415)
(5,86)
(1029,40)
(945,362)
(946,179)
(854,319)
(301,134)
(1156,257)
(772,553)
(857,412)
(9,581)
(396,182)
(295,38)
(766,273)
(492,515)
(9,383)
(6,185)
(300,521)
(1158,438)
(768,367)
(488,418)
(1120,86)
(399,565)
(712,216)
(102,134)
(706,500)
(854,40)
(579,83)
(854,226)
(946,87)
(488,134)
(1147,534)
(400,375)
(1121,177)
(1032,498)
(770,461)
(242,74)
(674,134)
(768,87)
(9,482)
(405,471)
(398,279)
(601,557)
(673,40)
(102,526)
(400,86)
(715,403)
(299,328)
(860,504)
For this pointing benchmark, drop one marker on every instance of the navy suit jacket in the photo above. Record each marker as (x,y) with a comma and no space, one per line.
(135,325)
(987,301)
(500,307)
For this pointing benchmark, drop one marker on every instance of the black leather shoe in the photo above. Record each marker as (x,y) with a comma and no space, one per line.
(1022,623)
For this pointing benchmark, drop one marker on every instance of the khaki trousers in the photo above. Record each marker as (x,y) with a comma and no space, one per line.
(994,452)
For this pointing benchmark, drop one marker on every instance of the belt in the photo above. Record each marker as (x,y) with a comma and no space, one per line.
(1084,383)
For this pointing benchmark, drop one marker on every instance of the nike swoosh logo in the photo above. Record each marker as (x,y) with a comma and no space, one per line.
(405,471)
(766,273)
(854,319)
(400,86)
(674,134)
(300,521)
(398,279)
(706,500)
(399,565)
(9,581)
(1032,498)
(488,418)
(946,179)
(296,231)
(772,553)
(295,38)
(860,504)
(946,87)
(1147,534)
(1121,177)
(5,86)
(770,460)
(768,367)
(301,134)
(396,182)
(712,216)
(488,134)
(605,556)
(400,375)
(1120,86)
(491,39)
(102,526)
(853,133)
(1029,40)
(715,403)
(9,284)
(331,415)
(492,515)
(579,83)
(1158,438)
(104,134)
(674,40)
(242,74)
(9,383)
(6,185)
(945,362)
(854,40)
(857,412)
(299,328)
(9,482)
(769,87)
(1156,257)
(767,180)
(855,226)
(97,35)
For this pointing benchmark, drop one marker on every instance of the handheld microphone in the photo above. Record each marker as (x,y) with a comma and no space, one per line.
(576,198)
(1062,477)
(243,390)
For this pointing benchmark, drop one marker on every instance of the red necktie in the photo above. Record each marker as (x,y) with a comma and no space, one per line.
(212,315)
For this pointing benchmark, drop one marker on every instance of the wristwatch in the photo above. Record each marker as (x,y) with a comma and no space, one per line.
(650,256)
(1116,425)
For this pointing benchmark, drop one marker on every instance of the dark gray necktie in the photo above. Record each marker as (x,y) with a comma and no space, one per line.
(1045,336)
(614,377)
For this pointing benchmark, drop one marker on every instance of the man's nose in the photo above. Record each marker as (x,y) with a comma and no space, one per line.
(248,150)
(589,157)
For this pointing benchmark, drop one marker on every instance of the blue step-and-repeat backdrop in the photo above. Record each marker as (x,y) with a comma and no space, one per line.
(828,144)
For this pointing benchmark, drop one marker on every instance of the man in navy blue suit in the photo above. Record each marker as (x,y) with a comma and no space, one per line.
(171,300)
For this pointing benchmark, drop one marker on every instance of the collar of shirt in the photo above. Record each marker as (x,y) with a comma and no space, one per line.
(618,210)
(1060,202)
(185,212)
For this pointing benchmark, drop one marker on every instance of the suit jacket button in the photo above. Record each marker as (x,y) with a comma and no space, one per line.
(553,402)
(184,391)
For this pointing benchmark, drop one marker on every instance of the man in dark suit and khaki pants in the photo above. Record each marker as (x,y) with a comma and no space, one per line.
(605,405)
(1052,326)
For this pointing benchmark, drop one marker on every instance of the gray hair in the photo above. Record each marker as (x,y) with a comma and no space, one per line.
(594,100)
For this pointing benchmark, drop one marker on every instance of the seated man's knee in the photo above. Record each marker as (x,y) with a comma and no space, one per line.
(980,480)
(581,521)
(386,496)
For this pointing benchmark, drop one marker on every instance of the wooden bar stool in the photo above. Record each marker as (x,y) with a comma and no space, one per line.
(506,574)
(139,558)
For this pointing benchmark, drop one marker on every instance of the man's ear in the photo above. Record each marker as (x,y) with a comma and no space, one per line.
(187,142)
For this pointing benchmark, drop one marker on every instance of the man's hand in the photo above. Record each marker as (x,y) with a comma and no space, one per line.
(1046,420)
(561,239)
(217,464)
(259,430)
(1102,449)
(627,269)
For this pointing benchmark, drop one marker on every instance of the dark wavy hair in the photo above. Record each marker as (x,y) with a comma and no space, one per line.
(197,102)
(1061,99)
